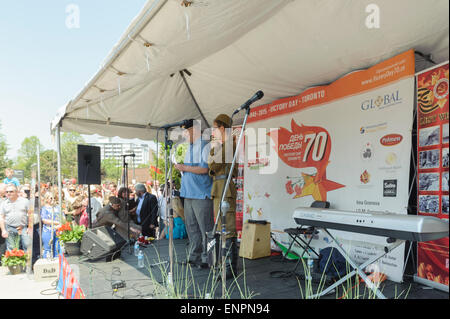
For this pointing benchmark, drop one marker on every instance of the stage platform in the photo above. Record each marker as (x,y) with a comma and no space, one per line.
(264,278)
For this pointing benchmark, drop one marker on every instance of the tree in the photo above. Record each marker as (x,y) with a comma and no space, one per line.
(27,154)
(4,161)
(49,166)
(160,164)
(111,170)
(69,158)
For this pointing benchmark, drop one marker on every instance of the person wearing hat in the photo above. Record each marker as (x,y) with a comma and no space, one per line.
(196,190)
(219,167)
(110,216)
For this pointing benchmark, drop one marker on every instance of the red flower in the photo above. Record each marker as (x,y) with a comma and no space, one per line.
(289,188)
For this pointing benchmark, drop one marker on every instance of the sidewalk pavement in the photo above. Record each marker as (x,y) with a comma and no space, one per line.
(22,287)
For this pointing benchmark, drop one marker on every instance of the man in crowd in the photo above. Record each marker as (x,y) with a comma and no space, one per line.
(196,190)
(146,211)
(14,219)
(10,179)
(2,199)
(112,215)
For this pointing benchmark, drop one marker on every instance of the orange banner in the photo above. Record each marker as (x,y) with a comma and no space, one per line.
(388,71)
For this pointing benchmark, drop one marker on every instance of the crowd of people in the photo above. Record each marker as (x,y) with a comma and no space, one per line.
(196,205)
(142,214)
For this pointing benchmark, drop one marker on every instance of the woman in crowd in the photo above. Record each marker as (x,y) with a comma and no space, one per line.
(74,210)
(122,194)
(50,216)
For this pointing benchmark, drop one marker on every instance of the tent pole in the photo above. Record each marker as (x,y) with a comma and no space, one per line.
(193,98)
(58,152)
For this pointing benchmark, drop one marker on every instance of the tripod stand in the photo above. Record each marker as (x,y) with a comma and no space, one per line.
(169,211)
(127,204)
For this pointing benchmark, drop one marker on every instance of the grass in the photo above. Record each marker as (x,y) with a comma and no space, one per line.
(349,289)
(182,285)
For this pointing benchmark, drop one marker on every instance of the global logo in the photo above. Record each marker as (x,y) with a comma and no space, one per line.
(381,102)
(391,139)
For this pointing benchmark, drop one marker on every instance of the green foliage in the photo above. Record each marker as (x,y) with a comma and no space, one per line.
(14,260)
(15,256)
(49,166)
(179,155)
(111,169)
(71,233)
(69,160)
(4,161)
(27,155)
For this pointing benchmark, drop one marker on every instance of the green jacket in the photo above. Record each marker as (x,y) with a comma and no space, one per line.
(219,168)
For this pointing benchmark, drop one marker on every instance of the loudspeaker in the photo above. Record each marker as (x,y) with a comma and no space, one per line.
(89,165)
(102,242)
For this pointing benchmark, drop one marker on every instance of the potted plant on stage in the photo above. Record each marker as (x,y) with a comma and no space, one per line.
(15,259)
(70,237)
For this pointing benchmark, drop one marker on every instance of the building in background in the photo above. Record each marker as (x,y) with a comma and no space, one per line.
(109,149)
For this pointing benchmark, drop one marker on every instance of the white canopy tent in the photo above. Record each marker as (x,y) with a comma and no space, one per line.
(184,59)
(195,59)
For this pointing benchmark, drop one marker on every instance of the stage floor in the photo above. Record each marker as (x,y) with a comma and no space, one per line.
(263,278)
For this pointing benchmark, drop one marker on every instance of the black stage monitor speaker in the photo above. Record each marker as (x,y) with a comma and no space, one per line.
(89,165)
(101,242)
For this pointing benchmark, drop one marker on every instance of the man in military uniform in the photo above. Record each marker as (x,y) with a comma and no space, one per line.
(219,163)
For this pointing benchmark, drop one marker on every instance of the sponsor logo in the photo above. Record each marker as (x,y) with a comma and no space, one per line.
(391,158)
(390,188)
(365,177)
(441,88)
(373,128)
(367,152)
(381,102)
(391,139)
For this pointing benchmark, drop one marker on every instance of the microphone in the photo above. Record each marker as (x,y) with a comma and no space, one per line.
(258,95)
(180,123)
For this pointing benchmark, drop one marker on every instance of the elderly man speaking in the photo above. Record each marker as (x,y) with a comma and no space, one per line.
(196,189)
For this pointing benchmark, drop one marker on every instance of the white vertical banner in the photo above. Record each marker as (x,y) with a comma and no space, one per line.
(348,143)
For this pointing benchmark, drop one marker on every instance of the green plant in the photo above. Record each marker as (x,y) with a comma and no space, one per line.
(181,284)
(14,257)
(350,289)
(70,233)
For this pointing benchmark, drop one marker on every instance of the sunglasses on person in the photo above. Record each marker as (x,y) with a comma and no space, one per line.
(71,190)
(10,191)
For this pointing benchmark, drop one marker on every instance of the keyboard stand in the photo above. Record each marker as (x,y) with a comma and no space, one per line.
(359,269)
(295,234)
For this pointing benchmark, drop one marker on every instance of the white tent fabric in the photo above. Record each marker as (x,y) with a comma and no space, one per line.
(232,48)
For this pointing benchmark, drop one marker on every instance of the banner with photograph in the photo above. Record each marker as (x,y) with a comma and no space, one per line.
(432,175)
(348,143)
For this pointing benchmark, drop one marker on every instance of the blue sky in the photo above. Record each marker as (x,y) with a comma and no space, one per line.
(43,63)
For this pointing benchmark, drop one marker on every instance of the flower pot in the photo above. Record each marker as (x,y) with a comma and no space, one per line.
(72,248)
(16,269)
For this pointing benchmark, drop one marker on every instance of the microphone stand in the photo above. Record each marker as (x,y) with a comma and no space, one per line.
(169,212)
(127,204)
(224,206)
